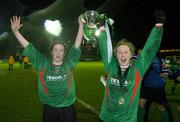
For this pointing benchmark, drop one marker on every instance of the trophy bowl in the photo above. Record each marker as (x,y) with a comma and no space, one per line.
(92,19)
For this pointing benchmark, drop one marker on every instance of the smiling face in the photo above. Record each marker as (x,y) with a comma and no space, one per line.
(123,56)
(58,53)
(123,52)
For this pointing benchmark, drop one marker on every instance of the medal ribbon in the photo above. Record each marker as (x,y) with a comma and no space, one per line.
(122,77)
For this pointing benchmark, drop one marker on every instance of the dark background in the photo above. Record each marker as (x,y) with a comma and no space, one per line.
(133,20)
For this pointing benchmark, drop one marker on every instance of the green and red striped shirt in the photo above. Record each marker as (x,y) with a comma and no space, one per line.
(55,82)
(114,110)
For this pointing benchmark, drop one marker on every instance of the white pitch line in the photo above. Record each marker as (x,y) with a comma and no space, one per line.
(86,105)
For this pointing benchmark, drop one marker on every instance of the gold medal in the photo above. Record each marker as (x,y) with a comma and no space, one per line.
(121,100)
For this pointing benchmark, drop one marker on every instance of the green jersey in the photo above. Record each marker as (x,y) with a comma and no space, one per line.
(55,82)
(120,103)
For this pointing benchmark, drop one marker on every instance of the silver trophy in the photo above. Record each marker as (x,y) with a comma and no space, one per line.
(93,21)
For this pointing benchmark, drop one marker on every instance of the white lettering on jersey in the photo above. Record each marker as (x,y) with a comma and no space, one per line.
(115,81)
(55,78)
(126,83)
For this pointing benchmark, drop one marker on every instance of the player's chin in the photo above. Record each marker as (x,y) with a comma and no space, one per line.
(124,64)
(58,60)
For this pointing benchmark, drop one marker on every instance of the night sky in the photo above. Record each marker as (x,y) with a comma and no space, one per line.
(133,19)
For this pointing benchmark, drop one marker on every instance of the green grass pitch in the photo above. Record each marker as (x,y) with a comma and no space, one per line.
(19,96)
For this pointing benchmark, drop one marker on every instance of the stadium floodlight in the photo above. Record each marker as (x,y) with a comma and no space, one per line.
(53,27)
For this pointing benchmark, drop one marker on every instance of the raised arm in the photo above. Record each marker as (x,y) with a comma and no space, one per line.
(15,26)
(151,47)
(153,42)
(79,36)
(75,52)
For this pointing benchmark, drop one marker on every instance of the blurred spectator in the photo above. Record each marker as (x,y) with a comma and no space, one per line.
(26,62)
(175,76)
(153,90)
(20,60)
(11,62)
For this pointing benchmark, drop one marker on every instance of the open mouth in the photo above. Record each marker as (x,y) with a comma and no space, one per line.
(123,62)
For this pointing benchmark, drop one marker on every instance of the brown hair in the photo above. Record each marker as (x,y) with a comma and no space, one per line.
(127,43)
(58,42)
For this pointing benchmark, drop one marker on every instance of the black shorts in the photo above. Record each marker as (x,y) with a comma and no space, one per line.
(60,114)
(156,95)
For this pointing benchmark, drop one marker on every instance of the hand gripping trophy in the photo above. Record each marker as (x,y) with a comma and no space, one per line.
(93,22)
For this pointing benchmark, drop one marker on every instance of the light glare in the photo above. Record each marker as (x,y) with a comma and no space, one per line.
(53,27)
(97,33)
